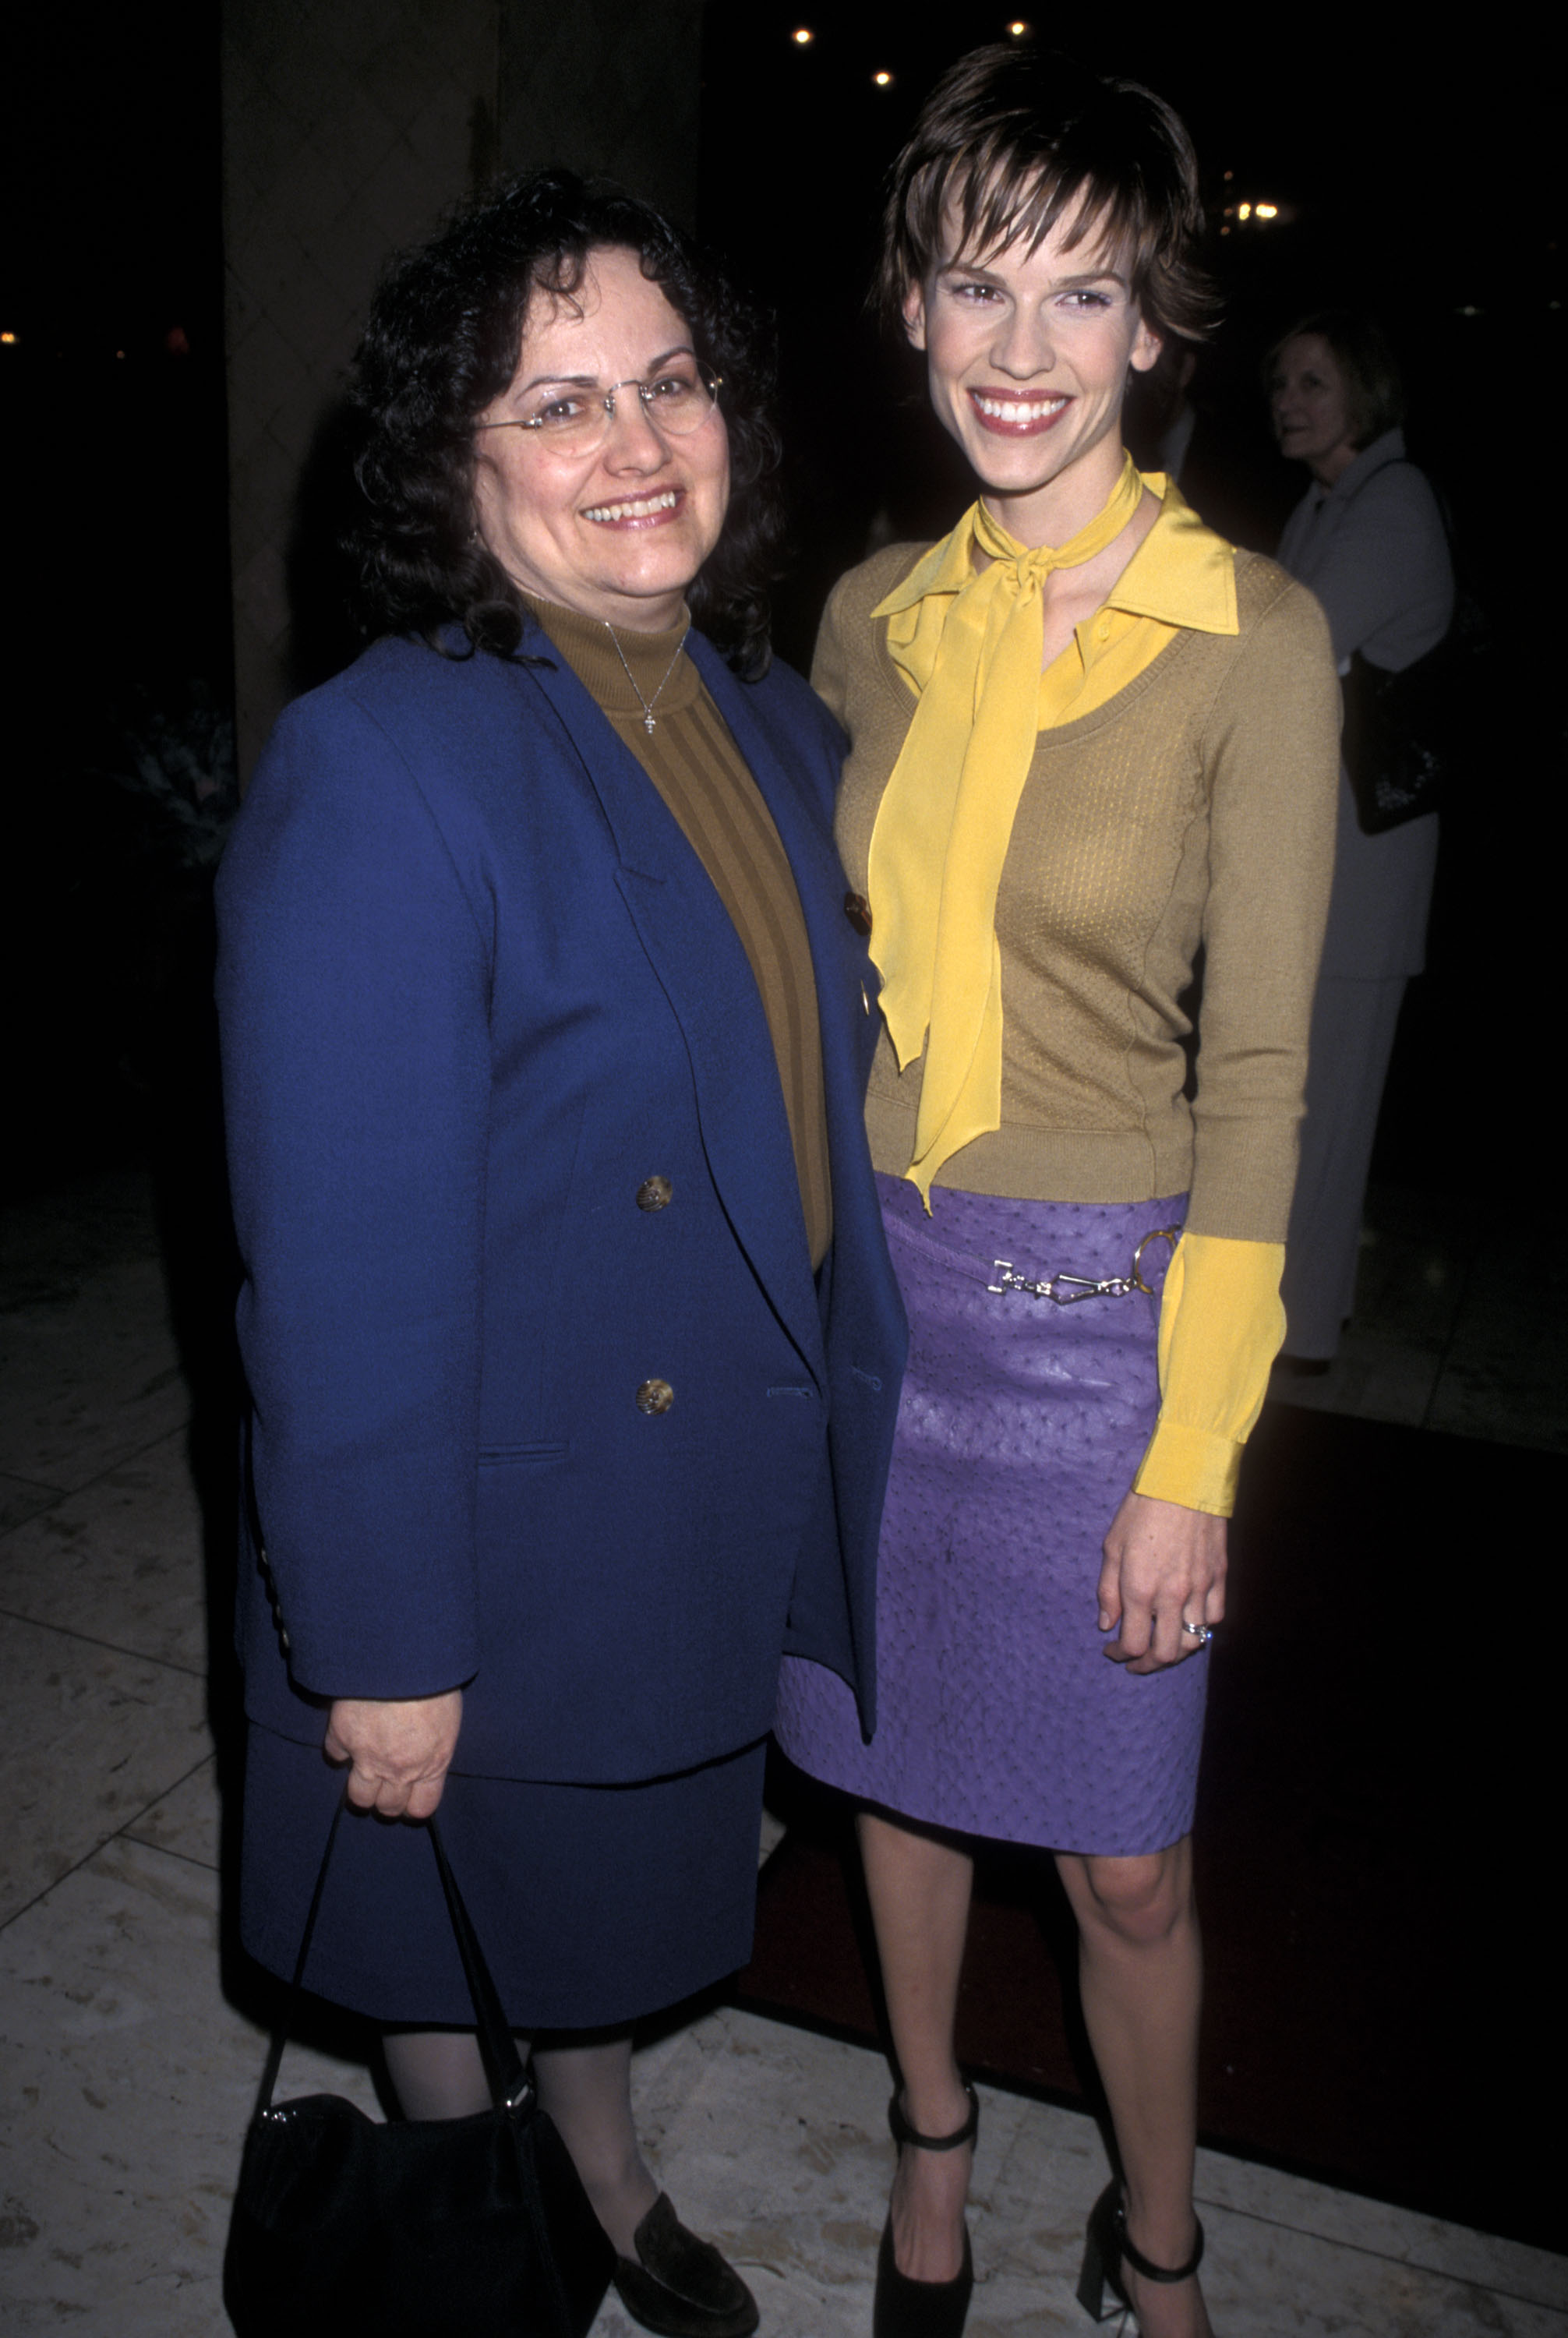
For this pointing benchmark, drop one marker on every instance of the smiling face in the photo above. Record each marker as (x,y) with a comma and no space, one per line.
(1027,354)
(1310,404)
(618,534)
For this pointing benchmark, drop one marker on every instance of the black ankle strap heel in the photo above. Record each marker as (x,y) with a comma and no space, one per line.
(904,2133)
(1108,2248)
(905,2308)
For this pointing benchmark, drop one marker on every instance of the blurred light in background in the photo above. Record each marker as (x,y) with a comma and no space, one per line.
(1258,215)
(802,37)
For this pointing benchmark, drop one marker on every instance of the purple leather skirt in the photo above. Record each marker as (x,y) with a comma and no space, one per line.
(1021,1428)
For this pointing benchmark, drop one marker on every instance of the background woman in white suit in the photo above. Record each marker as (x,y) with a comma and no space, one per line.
(1368,539)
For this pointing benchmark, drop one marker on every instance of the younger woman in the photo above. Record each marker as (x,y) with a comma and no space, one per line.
(1087,741)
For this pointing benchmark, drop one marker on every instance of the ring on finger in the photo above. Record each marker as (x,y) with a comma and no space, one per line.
(1201,1633)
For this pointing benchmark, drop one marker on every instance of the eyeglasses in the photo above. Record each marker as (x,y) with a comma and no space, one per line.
(577,421)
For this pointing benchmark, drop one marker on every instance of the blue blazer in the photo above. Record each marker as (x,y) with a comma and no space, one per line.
(475,987)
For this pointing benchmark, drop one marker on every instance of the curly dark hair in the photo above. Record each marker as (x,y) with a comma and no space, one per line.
(442,342)
(1019,138)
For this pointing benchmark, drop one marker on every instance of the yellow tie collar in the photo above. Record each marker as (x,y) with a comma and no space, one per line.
(972,646)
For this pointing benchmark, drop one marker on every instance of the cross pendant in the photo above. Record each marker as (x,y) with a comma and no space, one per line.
(648,724)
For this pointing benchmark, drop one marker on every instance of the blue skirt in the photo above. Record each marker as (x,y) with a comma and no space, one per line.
(592,1904)
(1021,1428)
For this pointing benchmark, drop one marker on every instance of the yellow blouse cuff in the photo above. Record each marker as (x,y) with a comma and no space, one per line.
(1221,1326)
(1190,1466)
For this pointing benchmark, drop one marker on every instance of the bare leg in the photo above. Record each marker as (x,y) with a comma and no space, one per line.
(919,1889)
(587,2091)
(1140,1966)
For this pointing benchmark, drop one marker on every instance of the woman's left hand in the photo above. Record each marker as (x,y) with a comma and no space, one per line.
(1164,1566)
(399,1752)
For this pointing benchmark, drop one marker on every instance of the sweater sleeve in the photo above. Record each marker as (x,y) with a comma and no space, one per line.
(829,660)
(1221,1326)
(1271,750)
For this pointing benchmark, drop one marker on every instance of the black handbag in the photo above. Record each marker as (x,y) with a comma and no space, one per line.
(445,2228)
(1407,736)
(1404,737)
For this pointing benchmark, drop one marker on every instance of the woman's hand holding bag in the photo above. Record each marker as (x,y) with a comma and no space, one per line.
(399,1749)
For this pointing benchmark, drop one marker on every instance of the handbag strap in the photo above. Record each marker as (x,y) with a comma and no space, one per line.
(510,2085)
(509,2082)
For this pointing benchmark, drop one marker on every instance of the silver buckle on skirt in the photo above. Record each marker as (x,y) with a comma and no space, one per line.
(1068,1290)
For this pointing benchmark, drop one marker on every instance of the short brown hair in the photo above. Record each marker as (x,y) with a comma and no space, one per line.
(1374,386)
(1019,138)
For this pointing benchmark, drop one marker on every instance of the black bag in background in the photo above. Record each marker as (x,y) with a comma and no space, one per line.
(1408,736)
(443,2228)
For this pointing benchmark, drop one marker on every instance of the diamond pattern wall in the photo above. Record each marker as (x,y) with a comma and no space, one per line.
(350,126)
(605,86)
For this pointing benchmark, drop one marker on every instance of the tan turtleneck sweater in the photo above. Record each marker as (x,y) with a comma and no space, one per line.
(694,761)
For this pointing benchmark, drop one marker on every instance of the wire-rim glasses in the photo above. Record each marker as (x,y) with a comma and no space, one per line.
(576,417)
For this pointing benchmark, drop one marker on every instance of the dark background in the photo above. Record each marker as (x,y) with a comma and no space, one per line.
(115,617)
(1416,183)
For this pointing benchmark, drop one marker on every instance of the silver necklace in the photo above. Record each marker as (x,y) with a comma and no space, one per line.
(647,704)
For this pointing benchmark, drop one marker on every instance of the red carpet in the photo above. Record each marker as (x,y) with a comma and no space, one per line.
(1372,1823)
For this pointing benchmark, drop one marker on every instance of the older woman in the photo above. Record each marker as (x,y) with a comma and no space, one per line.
(568,1324)
(1367,537)
(1086,739)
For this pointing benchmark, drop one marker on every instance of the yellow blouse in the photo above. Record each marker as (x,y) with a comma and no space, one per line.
(968,640)
(1220,1325)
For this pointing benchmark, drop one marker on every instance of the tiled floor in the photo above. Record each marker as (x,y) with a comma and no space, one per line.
(130,2075)
(1456,1327)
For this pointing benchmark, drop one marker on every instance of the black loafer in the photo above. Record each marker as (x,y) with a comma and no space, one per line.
(680,2286)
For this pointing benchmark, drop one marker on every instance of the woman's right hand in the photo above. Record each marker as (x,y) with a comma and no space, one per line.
(399,1753)
(1162,1581)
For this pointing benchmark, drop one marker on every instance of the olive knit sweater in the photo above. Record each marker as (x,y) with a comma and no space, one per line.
(1194,810)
